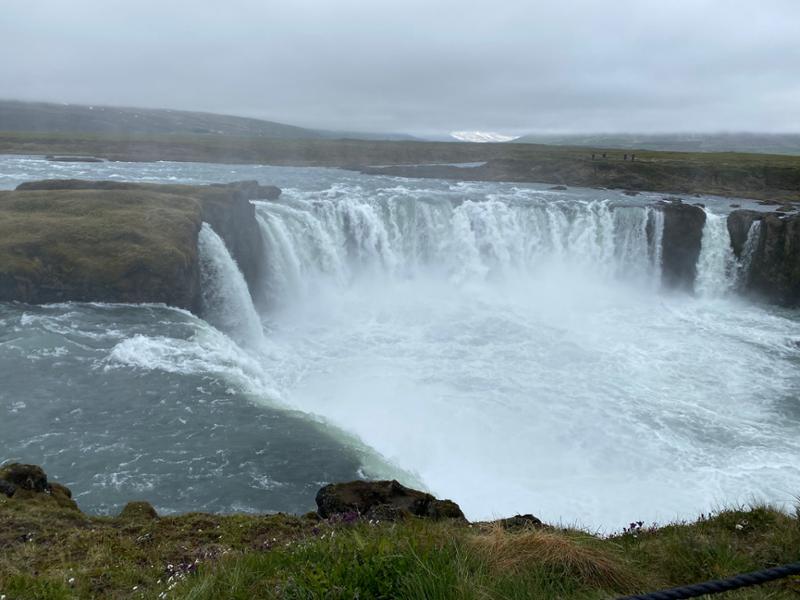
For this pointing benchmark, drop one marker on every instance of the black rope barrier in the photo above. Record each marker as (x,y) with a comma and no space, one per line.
(717,586)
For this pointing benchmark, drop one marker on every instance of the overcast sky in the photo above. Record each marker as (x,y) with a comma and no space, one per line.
(419,66)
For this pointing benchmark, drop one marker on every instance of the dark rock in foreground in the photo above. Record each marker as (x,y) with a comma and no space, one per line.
(520,522)
(7,488)
(384,500)
(29,482)
(25,477)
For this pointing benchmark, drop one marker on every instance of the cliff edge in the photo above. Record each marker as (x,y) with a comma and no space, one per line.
(104,241)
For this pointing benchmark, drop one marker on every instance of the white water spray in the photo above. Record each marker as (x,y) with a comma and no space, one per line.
(716,263)
(226,301)
(351,237)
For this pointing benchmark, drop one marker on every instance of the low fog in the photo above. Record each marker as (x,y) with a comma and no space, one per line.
(417,66)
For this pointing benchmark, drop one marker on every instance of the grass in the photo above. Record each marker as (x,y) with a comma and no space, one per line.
(50,553)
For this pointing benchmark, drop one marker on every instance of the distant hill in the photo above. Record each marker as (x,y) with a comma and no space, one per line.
(44,117)
(760,143)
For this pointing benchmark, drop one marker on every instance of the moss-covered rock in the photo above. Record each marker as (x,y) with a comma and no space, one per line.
(25,477)
(28,483)
(137,511)
(383,500)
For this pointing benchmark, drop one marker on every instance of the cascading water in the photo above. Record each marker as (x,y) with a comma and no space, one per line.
(748,252)
(226,301)
(716,264)
(656,242)
(345,238)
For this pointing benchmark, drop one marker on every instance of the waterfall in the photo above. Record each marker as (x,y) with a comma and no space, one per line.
(656,220)
(716,263)
(342,236)
(748,252)
(226,301)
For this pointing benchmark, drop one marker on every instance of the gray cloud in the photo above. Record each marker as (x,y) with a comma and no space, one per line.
(419,66)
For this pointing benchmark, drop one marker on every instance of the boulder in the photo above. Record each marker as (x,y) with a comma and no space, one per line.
(26,477)
(384,500)
(681,242)
(559,188)
(520,522)
(29,483)
(138,511)
(7,488)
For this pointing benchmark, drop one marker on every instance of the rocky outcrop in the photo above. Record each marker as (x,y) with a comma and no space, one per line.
(29,483)
(107,241)
(739,223)
(774,273)
(681,242)
(138,511)
(520,522)
(385,500)
(227,208)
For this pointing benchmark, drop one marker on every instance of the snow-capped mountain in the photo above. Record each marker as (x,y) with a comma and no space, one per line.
(481,136)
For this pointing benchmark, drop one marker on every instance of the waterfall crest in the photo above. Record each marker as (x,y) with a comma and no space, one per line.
(226,301)
(350,236)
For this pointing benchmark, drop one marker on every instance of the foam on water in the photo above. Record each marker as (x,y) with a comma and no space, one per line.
(515,355)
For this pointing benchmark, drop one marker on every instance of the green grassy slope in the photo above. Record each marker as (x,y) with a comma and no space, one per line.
(51,552)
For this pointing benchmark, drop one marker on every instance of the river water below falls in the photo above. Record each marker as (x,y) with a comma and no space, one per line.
(504,345)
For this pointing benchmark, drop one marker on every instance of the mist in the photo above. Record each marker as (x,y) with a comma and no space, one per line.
(417,67)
